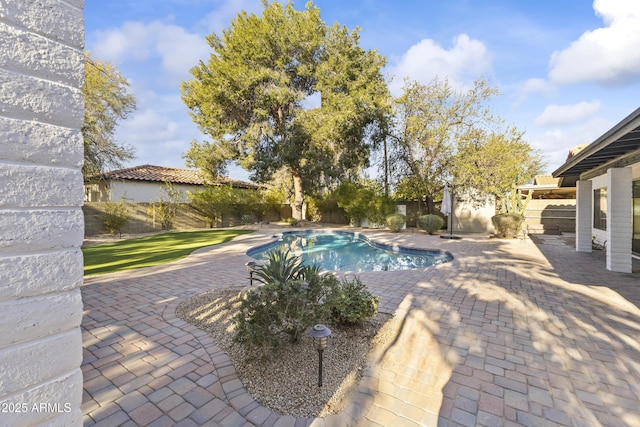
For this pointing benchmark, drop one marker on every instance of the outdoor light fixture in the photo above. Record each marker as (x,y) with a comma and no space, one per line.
(320,334)
(251,267)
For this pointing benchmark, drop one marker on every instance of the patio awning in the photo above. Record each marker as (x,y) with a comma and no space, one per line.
(611,148)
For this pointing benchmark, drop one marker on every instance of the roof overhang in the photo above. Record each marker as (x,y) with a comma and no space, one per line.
(618,147)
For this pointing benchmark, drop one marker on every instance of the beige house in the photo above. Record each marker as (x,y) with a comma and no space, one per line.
(146,183)
(606,174)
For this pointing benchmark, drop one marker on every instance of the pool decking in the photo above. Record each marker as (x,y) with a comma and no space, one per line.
(509,333)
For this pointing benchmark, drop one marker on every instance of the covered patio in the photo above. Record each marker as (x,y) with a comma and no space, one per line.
(606,174)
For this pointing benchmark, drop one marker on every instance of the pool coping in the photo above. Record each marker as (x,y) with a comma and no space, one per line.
(395,248)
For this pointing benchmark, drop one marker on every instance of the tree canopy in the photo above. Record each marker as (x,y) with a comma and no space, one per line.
(286,91)
(443,135)
(106,101)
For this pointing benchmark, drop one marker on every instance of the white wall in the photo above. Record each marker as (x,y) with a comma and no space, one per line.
(41,223)
(471,216)
(145,192)
(133,191)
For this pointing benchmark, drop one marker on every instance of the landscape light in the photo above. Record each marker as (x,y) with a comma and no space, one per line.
(320,335)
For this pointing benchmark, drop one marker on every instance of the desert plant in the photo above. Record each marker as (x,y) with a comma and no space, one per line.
(507,225)
(246,219)
(292,298)
(289,302)
(395,222)
(514,202)
(116,217)
(281,266)
(167,206)
(351,301)
(430,223)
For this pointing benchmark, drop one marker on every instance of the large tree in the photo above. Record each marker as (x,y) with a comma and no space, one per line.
(495,162)
(444,135)
(107,100)
(284,90)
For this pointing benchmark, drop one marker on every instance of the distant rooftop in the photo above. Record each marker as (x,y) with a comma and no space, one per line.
(546,180)
(152,173)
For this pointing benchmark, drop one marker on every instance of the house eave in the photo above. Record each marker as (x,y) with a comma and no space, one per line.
(612,147)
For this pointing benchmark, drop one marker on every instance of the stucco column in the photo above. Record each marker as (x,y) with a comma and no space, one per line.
(619,219)
(41,222)
(584,215)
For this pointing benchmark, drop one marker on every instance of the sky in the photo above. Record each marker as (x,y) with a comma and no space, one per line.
(567,70)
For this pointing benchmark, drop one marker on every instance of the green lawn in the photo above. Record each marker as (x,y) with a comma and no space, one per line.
(151,250)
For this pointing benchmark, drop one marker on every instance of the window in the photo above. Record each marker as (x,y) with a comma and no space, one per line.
(600,208)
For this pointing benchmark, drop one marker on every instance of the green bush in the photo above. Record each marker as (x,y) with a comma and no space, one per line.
(430,223)
(507,225)
(395,222)
(351,302)
(294,297)
(116,217)
(363,200)
(287,304)
(292,221)
(313,211)
(246,219)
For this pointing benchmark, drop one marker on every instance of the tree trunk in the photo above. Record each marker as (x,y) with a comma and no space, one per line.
(298,195)
(431,207)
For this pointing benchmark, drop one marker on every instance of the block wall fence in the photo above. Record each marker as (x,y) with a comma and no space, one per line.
(41,222)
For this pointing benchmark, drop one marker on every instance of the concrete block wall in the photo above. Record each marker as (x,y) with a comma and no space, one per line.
(619,219)
(41,222)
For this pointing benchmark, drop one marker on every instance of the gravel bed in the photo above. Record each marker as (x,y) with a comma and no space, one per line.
(287,381)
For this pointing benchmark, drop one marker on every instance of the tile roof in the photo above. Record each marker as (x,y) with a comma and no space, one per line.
(151,173)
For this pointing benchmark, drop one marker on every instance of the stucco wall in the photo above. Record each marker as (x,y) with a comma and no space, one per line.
(550,215)
(41,225)
(473,216)
(135,192)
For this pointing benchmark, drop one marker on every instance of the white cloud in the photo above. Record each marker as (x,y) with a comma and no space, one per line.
(607,55)
(467,60)
(562,114)
(532,86)
(556,143)
(220,18)
(177,49)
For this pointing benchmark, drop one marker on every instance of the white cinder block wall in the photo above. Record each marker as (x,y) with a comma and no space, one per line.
(41,223)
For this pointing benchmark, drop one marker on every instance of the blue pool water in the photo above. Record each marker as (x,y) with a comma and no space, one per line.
(343,251)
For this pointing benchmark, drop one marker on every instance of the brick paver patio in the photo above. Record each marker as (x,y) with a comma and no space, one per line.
(509,333)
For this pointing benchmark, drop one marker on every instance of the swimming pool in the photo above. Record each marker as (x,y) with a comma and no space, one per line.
(345,251)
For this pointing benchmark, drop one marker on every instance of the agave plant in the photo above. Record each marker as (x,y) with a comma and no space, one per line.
(281,266)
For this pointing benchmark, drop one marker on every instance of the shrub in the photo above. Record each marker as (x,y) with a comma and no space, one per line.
(313,211)
(507,225)
(116,217)
(167,210)
(351,302)
(395,222)
(363,200)
(294,297)
(292,221)
(286,306)
(246,219)
(430,223)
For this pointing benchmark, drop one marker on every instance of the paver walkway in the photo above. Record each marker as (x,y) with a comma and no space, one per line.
(509,333)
